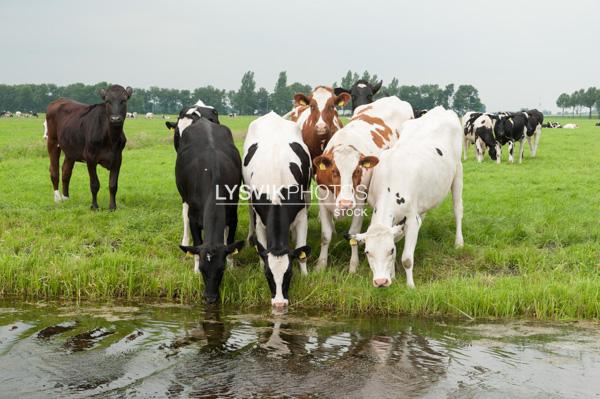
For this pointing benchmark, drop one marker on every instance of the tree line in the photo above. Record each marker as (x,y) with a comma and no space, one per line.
(582,98)
(248,99)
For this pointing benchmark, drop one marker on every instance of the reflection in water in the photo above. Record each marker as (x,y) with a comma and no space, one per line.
(157,351)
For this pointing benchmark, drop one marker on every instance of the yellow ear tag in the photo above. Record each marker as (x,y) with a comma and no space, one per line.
(235,252)
(302,102)
(367,165)
(302,256)
(322,166)
(353,242)
(341,103)
(189,254)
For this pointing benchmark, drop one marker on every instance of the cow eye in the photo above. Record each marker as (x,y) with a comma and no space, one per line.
(392,251)
(366,252)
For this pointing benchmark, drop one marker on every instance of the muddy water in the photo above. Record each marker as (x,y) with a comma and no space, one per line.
(146,351)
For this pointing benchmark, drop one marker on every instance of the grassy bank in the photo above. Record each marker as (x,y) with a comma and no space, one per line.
(532,235)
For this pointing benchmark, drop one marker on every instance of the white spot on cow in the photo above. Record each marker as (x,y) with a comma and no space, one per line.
(278,266)
(186,224)
(361,85)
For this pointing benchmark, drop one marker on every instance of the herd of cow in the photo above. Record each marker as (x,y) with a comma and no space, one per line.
(401,162)
(18,114)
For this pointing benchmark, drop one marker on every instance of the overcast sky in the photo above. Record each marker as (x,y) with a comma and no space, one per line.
(517,53)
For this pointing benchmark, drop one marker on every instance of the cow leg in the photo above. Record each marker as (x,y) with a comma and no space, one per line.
(457,188)
(54,154)
(355,227)
(521,149)
(327,229)
(261,236)
(113,184)
(301,232)
(196,231)
(511,147)
(185,241)
(465,147)
(536,140)
(410,242)
(67,171)
(94,184)
(529,138)
(251,224)
(230,229)
(479,150)
(498,153)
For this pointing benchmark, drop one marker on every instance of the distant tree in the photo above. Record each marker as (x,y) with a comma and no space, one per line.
(392,89)
(563,101)
(262,101)
(466,99)
(281,99)
(211,96)
(245,98)
(588,99)
(299,88)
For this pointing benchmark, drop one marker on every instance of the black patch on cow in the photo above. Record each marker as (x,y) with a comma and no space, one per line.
(439,151)
(403,220)
(399,200)
(251,150)
(388,189)
(303,176)
(297,173)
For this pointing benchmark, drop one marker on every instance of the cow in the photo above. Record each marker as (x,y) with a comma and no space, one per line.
(597,124)
(510,128)
(344,170)
(535,119)
(208,173)
(189,115)
(412,178)
(277,174)
(419,112)
(570,126)
(556,125)
(149,115)
(468,120)
(317,117)
(361,92)
(88,133)
(130,115)
(18,114)
(6,114)
(478,128)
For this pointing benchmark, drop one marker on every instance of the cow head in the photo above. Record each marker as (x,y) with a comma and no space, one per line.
(362,92)
(278,270)
(189,115)
(323,116)
(341,170)
(115,100)
(380,249)
(212,265)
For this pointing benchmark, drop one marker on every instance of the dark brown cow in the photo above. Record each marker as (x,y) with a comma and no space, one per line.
(88,133)
(317,117)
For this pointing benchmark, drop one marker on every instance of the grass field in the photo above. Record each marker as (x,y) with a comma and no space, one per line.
(532,235)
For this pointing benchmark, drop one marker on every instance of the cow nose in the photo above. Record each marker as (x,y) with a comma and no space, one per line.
(380,282)
(345,204)
(116,118)
(279,304)
(211,298)
(321,128)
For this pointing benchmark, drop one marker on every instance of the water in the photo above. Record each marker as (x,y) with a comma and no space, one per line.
(172,351)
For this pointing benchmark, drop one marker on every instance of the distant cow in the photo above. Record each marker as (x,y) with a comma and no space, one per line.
(412,178)
(18,114)
(149,115)
(361,92)
(317,117)
(597,124)
(208,172)
(88,133)
(344,170)
(570,126)
(556,125)
(509,129)
(277,172)
(130,115)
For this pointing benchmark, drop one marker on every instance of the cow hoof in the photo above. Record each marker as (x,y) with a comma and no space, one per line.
(94,207)
(459,244)
(352,269)
(321,265)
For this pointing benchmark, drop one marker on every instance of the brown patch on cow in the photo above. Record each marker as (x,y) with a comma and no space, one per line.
(330,176)
(362,111)
(380,132)
(377,139)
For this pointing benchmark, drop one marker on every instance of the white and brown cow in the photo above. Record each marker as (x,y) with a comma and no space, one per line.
(317,117)
(428,159)
(277,172)
(343,172)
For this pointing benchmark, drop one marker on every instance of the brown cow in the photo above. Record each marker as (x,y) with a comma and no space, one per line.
(87,133)
(317,117)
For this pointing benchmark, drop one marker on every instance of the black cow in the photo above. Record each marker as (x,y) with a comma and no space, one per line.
(362,92)
(208,172)
(510,128)
(88,133)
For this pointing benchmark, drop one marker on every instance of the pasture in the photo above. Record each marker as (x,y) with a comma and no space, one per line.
(532,235)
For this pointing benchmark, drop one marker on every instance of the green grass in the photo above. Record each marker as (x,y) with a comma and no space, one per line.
(532,235)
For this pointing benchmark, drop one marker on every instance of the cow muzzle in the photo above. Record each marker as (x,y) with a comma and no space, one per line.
(321,129)
(115,119)
(381,282)
(279,303)
(345,204)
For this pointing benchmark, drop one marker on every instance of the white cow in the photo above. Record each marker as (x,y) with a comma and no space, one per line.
(343,172)
(412,178)
(570,126)
(277,172)
(149,115)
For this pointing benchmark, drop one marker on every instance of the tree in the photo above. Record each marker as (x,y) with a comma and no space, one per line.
(281,99)
(393,89)
(262,101)
(299,88)
(588,98)
(563,101)
(245,98)
(466,99)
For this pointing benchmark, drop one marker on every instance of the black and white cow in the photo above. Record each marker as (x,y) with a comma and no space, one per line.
(556,125)
(362,92)
(535,119)
(277,172)
(510,128)
(189,115)
(208,172)
(478,128)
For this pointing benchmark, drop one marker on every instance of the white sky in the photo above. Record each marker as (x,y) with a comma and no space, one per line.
(517,53)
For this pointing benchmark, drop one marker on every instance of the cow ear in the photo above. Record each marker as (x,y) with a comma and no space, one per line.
(301,99)
(322,162)
(355,239)
(190,249)
(102,93)
(342,99)
(234,248)
(129,91)
(377,86)
(301,253)
(368,162)
(339,90)
(171,125)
